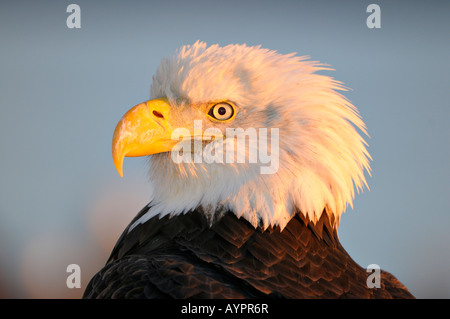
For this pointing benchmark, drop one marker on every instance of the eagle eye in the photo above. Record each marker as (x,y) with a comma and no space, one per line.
(221,111)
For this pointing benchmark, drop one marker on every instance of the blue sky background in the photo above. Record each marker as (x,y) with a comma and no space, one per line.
(62,91)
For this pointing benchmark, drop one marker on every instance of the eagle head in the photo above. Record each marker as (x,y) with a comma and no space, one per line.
(248,130)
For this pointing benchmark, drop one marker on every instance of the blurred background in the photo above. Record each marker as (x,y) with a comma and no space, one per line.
(62,91)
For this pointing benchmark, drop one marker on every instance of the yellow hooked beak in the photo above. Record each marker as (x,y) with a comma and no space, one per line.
(144,130)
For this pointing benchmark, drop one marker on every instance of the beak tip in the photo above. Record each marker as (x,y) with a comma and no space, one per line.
(119,169)
(118,164)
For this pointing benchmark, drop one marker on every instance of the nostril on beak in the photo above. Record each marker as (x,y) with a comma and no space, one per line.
(157,114)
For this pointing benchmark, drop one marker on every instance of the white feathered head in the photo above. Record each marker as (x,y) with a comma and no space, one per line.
(278,105)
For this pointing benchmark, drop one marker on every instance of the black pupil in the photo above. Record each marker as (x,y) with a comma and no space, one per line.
(222,110)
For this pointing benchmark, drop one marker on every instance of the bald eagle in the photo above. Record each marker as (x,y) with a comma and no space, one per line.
(253,157)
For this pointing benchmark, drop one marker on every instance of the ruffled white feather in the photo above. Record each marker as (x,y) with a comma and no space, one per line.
(322,157)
